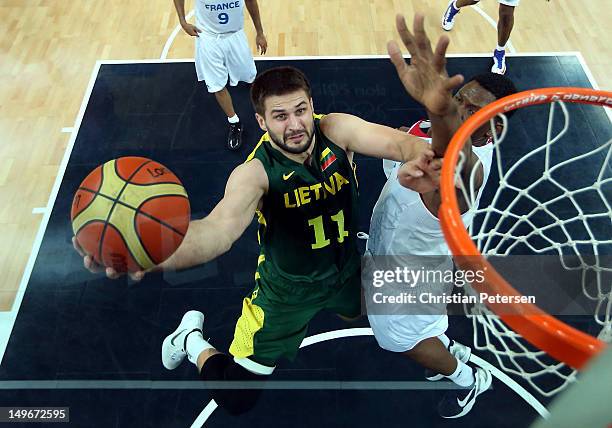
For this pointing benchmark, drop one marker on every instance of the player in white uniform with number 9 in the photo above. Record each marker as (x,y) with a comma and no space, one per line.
(222,52)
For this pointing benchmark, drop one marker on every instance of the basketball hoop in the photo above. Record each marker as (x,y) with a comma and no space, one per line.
(549,334)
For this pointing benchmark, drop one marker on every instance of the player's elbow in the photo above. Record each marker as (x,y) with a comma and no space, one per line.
(231,231)
(225,244)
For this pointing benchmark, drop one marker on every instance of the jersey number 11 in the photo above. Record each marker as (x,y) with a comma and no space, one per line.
(319,231)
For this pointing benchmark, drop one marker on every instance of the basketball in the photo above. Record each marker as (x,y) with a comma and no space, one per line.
(130,214)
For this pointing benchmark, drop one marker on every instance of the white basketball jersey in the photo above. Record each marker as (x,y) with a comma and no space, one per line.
(218,16)
(401,224)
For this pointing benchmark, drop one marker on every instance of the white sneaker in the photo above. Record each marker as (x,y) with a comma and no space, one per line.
(173,349)
(458,403)
(499,62)
(460,351)
(448,19)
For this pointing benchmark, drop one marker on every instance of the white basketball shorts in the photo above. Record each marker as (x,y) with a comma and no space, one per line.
(403,314)
(401,333)
(219,57)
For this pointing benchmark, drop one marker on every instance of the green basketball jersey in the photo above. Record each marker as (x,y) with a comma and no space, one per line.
(307,230)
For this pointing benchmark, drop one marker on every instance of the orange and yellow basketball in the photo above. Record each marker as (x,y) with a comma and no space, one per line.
(130,214)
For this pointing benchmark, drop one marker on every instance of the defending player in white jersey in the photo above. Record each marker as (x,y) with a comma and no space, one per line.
(405,226)
(222,51)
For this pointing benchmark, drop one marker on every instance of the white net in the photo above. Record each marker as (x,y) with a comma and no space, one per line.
(553,198)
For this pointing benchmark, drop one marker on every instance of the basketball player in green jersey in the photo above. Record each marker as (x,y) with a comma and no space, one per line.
(299,181)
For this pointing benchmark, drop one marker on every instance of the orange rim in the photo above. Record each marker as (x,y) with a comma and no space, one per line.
(564,343)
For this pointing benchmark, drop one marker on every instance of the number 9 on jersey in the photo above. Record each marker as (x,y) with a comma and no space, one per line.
(223,18)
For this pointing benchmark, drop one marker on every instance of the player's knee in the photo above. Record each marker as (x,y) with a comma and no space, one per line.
(221,91)
(222,367)
(415,352)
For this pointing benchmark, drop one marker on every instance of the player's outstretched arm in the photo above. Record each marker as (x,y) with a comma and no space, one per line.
(426,80)
(215,234)
(371,139)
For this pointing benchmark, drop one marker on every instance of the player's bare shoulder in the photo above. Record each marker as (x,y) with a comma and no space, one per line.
(252,175)
(332,121)
(245,188)
(337,127)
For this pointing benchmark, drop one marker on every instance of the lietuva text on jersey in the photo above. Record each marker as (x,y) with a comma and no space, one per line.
(223,6)
(306,194)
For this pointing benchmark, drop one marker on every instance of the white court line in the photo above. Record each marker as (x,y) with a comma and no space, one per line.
(450,55)
(491,21)
(205,414)
(6,326)
(331,335)
(324,57)
(43,210)
(587,71)
(173,35)
(510,383)
(353,332)
(591,78)
(143,61)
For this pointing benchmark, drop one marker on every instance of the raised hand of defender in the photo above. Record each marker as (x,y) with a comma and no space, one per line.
(91,265)
(425,78)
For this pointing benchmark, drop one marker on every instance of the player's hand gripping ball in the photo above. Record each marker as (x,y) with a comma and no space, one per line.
(130,214)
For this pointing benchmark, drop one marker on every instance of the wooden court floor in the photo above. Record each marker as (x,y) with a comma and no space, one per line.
(48,49)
